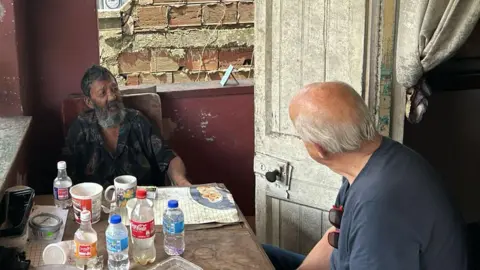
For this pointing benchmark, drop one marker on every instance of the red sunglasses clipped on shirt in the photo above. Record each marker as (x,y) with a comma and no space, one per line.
(335,217)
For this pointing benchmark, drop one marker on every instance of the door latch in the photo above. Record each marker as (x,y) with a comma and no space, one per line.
(277,172)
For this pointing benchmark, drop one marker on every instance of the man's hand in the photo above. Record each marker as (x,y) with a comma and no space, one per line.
(182,182)
(319,256)
(177,172)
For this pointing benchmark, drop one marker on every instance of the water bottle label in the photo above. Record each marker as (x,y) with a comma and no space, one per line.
(85,250)
(117,245)
(174,227)
(142,230)
(61,194)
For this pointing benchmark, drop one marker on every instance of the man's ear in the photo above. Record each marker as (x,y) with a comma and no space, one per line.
(88,102)
(321,151)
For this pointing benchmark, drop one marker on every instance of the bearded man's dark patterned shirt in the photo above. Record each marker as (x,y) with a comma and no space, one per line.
(140,151)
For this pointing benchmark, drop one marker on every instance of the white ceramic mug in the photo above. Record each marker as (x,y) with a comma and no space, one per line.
(124,189)
(87,196)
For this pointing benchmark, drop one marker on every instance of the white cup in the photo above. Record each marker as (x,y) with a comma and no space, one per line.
(58,253)
(124,189)
(87,196)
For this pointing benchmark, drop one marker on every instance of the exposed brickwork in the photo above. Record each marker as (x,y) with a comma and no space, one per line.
(168,60)
(238,57)
(246,12)
(145,2)
(134,61)
(224,13)
(198,59)
(168,1)
(174,41)
(156,78)
(190,15)
(182,77)
(155,17)
(132,79)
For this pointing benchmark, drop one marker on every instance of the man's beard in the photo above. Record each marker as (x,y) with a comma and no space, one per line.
(111,115)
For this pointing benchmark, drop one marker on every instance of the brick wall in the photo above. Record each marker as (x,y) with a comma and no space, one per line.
(166,41)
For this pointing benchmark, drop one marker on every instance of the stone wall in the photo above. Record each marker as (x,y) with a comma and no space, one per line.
(165,41)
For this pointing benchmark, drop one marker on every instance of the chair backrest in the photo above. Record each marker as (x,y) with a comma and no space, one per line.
(149,104)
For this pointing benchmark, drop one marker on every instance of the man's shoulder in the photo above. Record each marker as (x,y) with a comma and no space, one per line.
(392,173)
(86,117)
(83,121)
(398,152)
(136,117)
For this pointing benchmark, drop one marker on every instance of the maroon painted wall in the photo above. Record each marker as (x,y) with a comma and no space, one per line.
(63,42)
(10,100)
(213,131)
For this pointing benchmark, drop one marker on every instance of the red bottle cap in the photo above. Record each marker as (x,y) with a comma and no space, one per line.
(141,193)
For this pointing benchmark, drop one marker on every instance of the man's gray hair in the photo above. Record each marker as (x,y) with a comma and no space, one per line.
(337,137)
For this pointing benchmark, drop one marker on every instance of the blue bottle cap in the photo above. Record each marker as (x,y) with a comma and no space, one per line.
(115,219)
(172,204)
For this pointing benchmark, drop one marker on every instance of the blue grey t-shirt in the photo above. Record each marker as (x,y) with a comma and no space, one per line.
(398,216)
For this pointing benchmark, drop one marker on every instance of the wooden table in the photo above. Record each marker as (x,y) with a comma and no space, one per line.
(227,247)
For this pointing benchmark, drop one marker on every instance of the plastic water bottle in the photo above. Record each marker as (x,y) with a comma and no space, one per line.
(85,240)
(61,187)
(142,225)
(173,229)
(117,244)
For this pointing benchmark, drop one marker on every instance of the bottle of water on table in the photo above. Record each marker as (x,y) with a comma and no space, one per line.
(117,244)
(173,229)
(61,187)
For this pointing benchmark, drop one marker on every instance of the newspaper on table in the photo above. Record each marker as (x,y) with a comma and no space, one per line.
(200,204)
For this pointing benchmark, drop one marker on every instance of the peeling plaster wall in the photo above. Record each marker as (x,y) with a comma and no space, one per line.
(212,130)
(155,42)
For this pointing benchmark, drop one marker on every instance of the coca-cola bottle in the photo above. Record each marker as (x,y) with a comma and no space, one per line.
(142,226)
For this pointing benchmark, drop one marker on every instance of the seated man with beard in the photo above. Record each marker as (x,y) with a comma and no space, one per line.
(110,140)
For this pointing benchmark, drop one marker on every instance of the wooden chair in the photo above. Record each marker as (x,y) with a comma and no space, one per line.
(149,104)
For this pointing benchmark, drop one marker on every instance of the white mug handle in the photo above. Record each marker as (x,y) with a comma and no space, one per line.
(114,195)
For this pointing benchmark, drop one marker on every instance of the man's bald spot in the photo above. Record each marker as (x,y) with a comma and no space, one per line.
(333,100)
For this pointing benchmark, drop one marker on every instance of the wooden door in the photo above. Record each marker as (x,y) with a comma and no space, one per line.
(296,43)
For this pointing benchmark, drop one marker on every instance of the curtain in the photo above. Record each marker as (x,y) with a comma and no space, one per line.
(429,32)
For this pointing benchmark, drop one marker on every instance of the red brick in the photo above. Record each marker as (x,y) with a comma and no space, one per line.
(156,78)
(183,77)
(246,12)
(194,59)
(238,57)
(186,16)
(225,13)
(129,62)
(152,17)
(132,79)
(168,60)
